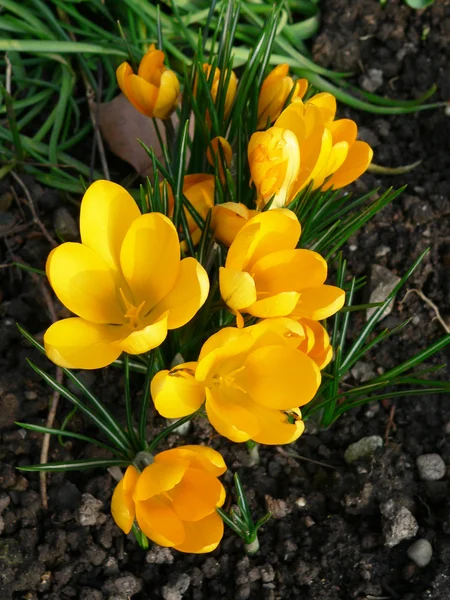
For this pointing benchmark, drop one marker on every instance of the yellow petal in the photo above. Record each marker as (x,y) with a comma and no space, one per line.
(275,427)
(187,296)
(176,393)
(122,73)
(146,339)
(122,508)
(202,536)
(267,232)
(107,212)
(289,270)
(326,103)
(152,66)
(168,94)
(277,305)
(227,220)
(229,418)
(320,303)
(279,377)
(197,495)
(140,93)
(224,336)
(158,478)
(159,522)
(343,130)
(199,457)
(84,283)
(317,345)
(150,258)
(237,288)
(358,159)
(78,344)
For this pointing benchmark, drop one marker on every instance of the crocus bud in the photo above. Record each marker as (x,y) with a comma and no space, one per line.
(214,151)
(274,158)
(230,80)
(154,91)
(275,91)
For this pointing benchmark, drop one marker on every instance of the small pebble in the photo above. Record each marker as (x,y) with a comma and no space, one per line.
(364,447)
(431,467)
(420,552)
(398,523)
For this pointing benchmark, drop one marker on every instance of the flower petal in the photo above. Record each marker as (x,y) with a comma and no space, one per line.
(152,66)
(237,288)
(277,229)
(218,340)
(122,508)
(158,478)
(84,283)
(319,303)
(317,344)
(167,99)
(146,339)
(326,103)
(275,427)
(202,536)
(199,457)
(358,159)
(107,212)
(141,94)
(160,522)
(227,220)
(78,344)
(289,270)
(150,258)
(278,305)
(279,377)
(176,393)
(343,130)
(229,418)
(197,495)
(187,295)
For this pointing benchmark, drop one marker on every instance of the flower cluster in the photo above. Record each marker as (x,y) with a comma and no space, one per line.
(129,285)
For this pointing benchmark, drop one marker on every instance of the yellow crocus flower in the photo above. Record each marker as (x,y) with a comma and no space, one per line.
(174,499)
(275,91)
(265,275)
(253,379)
(214,89)
(125,281)
(155,90)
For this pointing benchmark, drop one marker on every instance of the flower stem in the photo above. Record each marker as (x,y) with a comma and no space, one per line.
(253,547)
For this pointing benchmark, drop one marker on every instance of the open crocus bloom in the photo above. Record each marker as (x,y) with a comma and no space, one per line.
(275,91)
(266,276)
(174,499)
(154,90)
(228,219)
(125,281)
(328,153)
(253,380)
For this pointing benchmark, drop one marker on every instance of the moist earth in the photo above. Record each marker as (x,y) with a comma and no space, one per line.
(339,531)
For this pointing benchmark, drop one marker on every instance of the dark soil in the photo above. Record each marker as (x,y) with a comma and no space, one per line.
(327,540)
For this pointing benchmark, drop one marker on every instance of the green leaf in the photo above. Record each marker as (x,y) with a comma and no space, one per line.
(78,465)
(419,4)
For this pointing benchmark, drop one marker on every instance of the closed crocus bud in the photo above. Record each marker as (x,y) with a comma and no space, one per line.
(228,219)
(229,80)
(199,190)
(154,91)
(174,499)
(274,159)
(275,91)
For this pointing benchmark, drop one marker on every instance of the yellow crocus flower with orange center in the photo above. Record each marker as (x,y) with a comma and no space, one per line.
(155,90)
(265,275)
(252,381)
(125,281)
(174,499)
